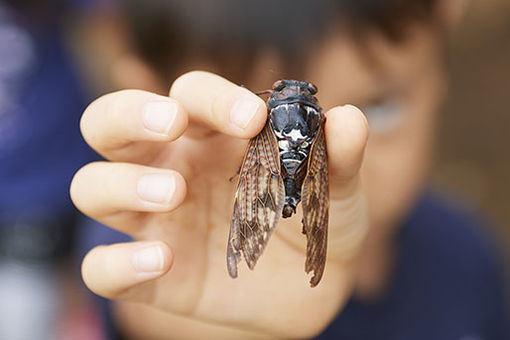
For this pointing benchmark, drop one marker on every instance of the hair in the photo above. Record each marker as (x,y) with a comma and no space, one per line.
(47,12)
(167,32)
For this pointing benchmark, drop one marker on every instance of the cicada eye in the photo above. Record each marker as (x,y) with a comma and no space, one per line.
(278,85)
(312,88)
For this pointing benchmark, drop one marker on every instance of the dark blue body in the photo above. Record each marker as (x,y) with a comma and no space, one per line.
(447,284)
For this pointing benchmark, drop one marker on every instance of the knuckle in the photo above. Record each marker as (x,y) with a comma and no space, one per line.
(83,183)
(182,81)
(86,265)
(78,181)
(95,264)
(86,124)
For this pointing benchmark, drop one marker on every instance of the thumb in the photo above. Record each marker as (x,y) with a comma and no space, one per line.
(346,136)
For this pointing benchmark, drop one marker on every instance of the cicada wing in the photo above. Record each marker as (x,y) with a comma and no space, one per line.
(315,200)
(258,201)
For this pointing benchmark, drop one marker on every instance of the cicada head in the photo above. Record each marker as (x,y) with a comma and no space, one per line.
(287,91)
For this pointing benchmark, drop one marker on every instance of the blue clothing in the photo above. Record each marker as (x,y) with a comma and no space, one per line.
(447,285)
(41,102)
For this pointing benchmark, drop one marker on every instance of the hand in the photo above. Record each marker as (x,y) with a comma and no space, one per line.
(167,185)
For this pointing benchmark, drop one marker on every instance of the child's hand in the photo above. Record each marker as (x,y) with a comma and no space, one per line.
(167,185)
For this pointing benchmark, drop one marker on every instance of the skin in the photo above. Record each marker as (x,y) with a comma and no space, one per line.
(187,292)
(190,226)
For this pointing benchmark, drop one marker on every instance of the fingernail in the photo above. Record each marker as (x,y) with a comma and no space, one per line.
(243,111)
(159,116)
(148,260)
(157,188)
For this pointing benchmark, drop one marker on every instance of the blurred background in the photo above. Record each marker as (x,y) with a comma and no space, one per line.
(473,159)
(43,52)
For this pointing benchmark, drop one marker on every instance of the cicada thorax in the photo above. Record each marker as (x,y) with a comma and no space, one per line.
(295,125)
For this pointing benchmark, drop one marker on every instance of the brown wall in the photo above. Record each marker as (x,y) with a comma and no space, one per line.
(474,138)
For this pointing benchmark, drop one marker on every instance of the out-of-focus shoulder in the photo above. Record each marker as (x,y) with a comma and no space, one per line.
(452,232)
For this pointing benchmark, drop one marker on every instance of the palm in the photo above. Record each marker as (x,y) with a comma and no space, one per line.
(197,233)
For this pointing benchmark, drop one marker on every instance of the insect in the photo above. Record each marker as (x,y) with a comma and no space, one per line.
(286,163)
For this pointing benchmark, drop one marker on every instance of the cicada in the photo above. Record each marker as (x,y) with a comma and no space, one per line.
(286,163)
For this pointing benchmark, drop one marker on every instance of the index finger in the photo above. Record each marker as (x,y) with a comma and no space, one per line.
(220,104)
(115,121)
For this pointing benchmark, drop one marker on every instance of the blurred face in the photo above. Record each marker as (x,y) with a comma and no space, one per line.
(399,87)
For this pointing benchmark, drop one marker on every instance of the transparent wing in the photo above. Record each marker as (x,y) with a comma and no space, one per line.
(258,201)
(315,200)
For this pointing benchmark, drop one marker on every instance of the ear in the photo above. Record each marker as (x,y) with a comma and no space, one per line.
(450,13)
(130,72)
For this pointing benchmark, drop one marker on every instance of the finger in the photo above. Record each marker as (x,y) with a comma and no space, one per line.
(220,104)
(113,271)
(118,119)
(103,189)
(346,135)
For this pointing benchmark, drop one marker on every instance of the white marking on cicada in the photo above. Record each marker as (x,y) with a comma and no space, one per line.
(289,160)
(278,134)
(284,145)
(311,110)
(295,135)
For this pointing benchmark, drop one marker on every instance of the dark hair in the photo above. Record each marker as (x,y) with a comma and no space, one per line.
(166,32)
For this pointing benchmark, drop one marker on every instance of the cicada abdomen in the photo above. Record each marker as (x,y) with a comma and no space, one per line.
(284,165)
